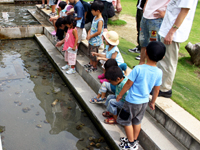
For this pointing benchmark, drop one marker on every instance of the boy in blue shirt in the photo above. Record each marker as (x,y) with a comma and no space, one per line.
(142,79)
(79,17)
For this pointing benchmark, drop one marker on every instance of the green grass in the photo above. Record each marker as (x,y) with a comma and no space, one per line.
(118,22)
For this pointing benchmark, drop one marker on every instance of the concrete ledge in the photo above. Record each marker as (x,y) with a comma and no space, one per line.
(6,1)
(20,32)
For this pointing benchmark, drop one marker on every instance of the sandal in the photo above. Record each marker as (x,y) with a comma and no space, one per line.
(100,100)
(110,120)
(93,100)
(107,114)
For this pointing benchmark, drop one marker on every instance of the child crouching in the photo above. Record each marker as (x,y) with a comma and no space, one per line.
(115,76)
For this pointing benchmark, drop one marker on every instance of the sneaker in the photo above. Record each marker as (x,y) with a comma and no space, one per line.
(131,147)
(137,58)
(167,94)
(53,33)
(71,71)
(87,65)
(94,68)
(134,50)
(65,67)
(42,6)
(47,7)
(52,14)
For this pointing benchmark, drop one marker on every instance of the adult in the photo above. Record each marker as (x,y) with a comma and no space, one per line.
(139,14)
(154,11)
(43,5)
(87,15)
(175,29)
(107,5)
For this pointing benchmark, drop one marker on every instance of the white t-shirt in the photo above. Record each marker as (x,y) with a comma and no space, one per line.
(173,10)
(63,12)
(152,6)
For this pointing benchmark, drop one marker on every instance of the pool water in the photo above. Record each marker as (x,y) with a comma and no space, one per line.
(12,15)
(28,86)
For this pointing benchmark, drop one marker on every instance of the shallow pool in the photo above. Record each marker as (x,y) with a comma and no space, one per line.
(14,15)
(28,86)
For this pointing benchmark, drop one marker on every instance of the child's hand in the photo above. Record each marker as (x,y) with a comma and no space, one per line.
(93,53)
(152,105)
(88,37)
(118,98)
(58,44)
(74,48)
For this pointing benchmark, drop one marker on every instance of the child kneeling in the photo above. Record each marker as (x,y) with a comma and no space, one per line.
(142,79)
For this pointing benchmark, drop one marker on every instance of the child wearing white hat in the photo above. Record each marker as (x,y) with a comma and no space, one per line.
(112,51)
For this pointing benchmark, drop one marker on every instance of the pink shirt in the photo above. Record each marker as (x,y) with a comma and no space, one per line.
(152,6)
(69,40)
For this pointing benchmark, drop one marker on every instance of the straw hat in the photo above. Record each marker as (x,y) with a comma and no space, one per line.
(111,37)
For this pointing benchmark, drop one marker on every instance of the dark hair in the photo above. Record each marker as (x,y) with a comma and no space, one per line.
(97,5)
(59,22)
(113,73)
(109,63)
(62,4)
(70,20)
(156,50)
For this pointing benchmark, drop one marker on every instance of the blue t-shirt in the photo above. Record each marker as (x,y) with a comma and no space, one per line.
(97,40)
(79,13)
(144,78)
(118,58)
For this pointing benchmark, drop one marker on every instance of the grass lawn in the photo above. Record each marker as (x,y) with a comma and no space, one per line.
(186,84)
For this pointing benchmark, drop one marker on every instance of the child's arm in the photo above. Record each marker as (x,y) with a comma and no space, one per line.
(88,34)
(100,25)
(76,38)
(114,55)
(154,96)
(97,54)
(58,44)
(126,87)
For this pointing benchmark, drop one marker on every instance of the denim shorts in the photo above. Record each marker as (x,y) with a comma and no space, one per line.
(134,112)
(149,30)
(112,104)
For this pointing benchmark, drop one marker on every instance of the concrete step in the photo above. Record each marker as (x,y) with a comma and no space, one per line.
(7,1)
(153,135)
(83,92)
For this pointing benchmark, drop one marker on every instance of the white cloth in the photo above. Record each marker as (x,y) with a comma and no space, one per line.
(152,6)
(173,10)
(109,1)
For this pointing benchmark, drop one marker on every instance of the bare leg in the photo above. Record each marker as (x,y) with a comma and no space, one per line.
(103,95)
(53,7)
(43,1)
(136,131)
(47,2)
(142,56)
(129,132)
(95,63)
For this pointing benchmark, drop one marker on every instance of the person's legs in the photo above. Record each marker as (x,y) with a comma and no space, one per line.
(138,20)
(168,65)
(142,56)
(129,133)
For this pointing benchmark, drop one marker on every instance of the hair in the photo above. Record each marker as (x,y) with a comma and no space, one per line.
(59,22)
(70,20)
(156,50)
(97,5)
(113,73)
(62,4)
(109,63)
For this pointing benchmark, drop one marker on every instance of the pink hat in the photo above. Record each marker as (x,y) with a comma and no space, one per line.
(69,7)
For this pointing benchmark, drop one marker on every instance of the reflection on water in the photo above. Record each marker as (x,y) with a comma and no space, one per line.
(28,86)
(13,15)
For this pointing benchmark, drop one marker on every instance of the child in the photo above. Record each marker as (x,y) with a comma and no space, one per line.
(95,34)
(107,86)
(61,29)
(142,79)
(79,17)
(115,76)
(70,40)
(112,51)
